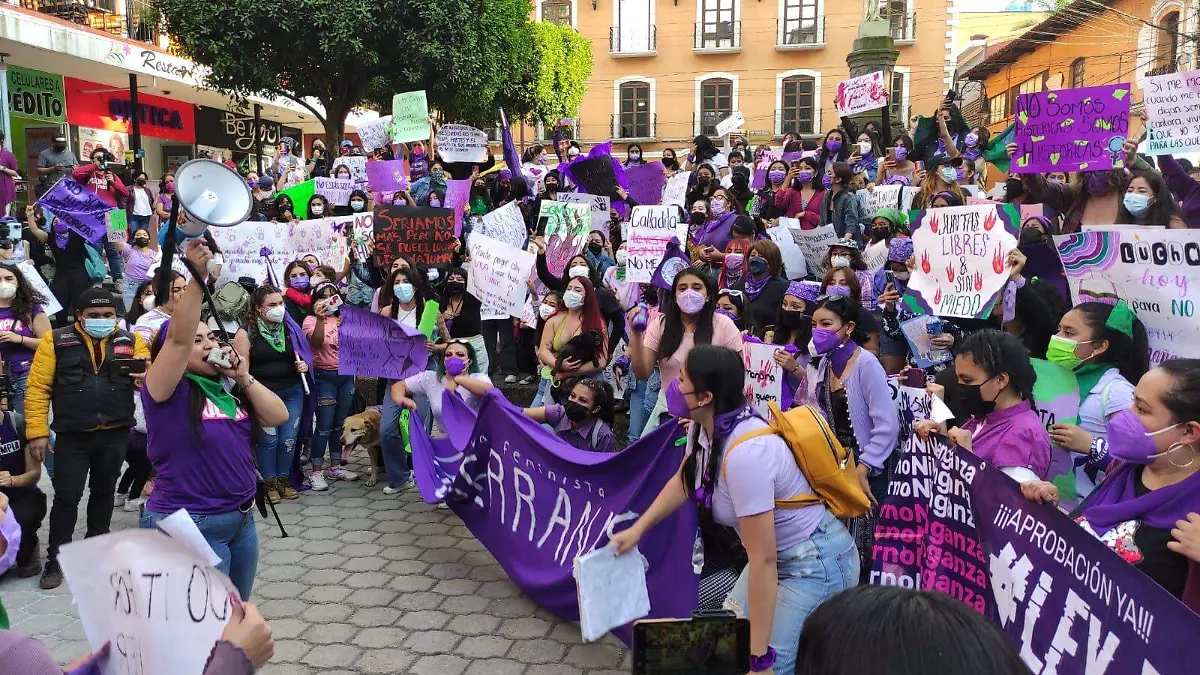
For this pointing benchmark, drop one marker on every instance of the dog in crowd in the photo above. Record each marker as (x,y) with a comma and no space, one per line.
(361,432)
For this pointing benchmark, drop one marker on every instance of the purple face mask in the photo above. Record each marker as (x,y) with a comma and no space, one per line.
(959,174)
(1128,439)
(690,301)
(804,176)
(677,404)
(972,139)
(833,145)
(824,340)
(776,177)
(827,181)
(838,290)
(455,366)
(732,317)
(901,153)
(1096,183)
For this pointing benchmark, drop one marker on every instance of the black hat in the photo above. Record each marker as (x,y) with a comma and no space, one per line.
(938,162)
(95,297)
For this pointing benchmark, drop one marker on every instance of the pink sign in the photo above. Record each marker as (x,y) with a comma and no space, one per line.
(860,94)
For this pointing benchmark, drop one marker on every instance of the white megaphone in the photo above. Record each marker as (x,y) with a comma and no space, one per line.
(210,194)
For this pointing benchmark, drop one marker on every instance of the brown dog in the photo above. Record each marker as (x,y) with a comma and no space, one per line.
(361,431)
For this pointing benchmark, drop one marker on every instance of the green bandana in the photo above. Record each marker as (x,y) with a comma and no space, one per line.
(215,392)
(272,334)
(620,273)
(1121,319)
(1088,375)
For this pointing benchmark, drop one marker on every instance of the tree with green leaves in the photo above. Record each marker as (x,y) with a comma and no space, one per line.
(461,52)
(552,74)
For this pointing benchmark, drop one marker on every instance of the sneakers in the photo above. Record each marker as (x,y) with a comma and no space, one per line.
(511,379)
(317,481)
(526,381)
(52,576)
(340,473)
(403,487)
(133,505)
(119,500)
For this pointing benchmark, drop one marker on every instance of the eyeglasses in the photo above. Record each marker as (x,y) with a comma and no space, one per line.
(831,297)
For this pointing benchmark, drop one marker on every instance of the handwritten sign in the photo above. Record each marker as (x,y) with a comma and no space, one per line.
(336,190)
(793,258)
(372,345)
(886,197)
(646,183)
(78,207)
(650,228)
(1173,107)
(594,175)
(242,245)
(458,197)
(118,225)
(567,227)
(375,134)
(597,208)
(357,166)
(814,243)
(860,94)
(730,124)
(1155,271)
(1071,129)
(410,117)
(51,306)
(875,256)
(498,275)
(505,224)
(764,377)
(460,143)
(423,233)
(961,259)
(675,191)
(387,176)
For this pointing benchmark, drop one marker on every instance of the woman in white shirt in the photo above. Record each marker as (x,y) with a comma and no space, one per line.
(455,374)
(141,204)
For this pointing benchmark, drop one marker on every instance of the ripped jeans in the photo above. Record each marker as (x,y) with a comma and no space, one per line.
(335,395)
(277,446)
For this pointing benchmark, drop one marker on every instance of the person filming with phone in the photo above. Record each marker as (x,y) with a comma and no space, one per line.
(99,178)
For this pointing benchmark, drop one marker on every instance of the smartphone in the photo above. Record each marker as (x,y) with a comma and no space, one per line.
(891,152)
(129,366)
(706,644)
(14,230)
(914,377)
(890,278)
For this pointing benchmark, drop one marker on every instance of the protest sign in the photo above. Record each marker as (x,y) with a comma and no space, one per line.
(117,225)
(160,604)
(458,197)
(730,124)
(299,194)
(362,235)
(973,201)
(372,345)
(78,207)
(387,176)
(597,208)
(567,228)
(1056,401)
(539,503)
(814,243)
(675,191)
(961,259)
(505,224)
(410,117)
(52,306)
(912,404)
(955,524)
(860,94)
(1071,129)
(875,255)
(650,228)
(886,197)
(646,182)
(594,175)
(498,275)
(357,166)
(243,245)
(375,134)
(793,258)
(1173,107)
(460,143)
(764,377)
(423,233)
(1154,271)
(335,190)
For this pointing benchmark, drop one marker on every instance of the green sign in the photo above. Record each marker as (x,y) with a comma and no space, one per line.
(410,117)
(118,225)
(36,95)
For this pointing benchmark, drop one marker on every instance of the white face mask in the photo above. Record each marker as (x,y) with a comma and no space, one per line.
(276,314)
(622,257)
(840,261)
(8,290)
(432,273)
(579,271)
(545,311)
(315,281)
(317,209)
(148,303)
(573,299)
(864,147)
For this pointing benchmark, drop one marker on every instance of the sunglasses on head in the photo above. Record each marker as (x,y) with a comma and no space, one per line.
(731,293)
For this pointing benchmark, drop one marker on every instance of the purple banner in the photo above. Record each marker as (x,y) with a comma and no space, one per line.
(646,183)
(371,345)
(387,176)
(1070,605)
(1071,129)
(78,207)
(458,196)
(537,503)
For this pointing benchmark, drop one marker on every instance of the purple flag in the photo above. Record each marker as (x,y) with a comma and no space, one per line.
(458,197)
(511,158)
(646,183)
(376,346)
(537,503)
(1071,129)
(387,176)
(78,207)
(673,262)
(956,524)
(759,181)
(1042,261)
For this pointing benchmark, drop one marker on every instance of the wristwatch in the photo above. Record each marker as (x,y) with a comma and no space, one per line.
(763,662)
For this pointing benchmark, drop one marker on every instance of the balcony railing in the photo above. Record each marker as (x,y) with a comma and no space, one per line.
(622,40)
(634,125)
(800,33)
(904,28)
(718,36)
(706,122)
(138,22)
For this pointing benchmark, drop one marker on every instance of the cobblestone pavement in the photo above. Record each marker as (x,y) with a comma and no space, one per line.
(368,583)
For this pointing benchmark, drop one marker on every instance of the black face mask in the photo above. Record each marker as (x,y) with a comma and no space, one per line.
(670,163)
(455,287)
(972,401)
(879,233)
(551,187)
(576,412)
(141,243)
(595,248)
(791,320)
(740,182)
(697,217)
(1032,235)
(703,180)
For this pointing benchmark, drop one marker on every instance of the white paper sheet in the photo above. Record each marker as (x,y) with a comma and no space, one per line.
(612,591)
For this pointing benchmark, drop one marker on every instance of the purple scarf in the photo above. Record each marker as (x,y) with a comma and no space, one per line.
(61,233)
(723,426)
(840,356)
(1114,501)
(866,163)
(756,286)
(717,231)
(971,154)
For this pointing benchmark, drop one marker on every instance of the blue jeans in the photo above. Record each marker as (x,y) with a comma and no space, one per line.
(232,537)
(543,391)
(16,393)
(278,445)
(116,268)
(128,290)
(395,459)
(810,573)
(335,394)
(138,223)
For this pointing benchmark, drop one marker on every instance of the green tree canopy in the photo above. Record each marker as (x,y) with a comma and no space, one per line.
(553,69)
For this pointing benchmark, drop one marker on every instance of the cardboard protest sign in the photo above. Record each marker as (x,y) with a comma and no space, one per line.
(243,246)
(886,197)
(39,285)
(650,228)
(372,345)
(1173,107)
(764,377)
(118,225)
(336,190)
(567,228)
(646,183)
(813,243)
(423,233)
(299,194)
(1155,271)
(794,264)
(362,235)
(860,94)
(874,256)
(458,197)
(78,207)
(357,166)
(498,275)
(961,257)
(410,117)
(505,224)
(460,143)
(387,176)
(675,191)
(375,134)
(730,124)
(597,208)
(1071,129)
(594,175)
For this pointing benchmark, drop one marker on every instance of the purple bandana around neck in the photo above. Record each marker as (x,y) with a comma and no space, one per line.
(1115,501)
(971,154)
(840,356)
(756,286)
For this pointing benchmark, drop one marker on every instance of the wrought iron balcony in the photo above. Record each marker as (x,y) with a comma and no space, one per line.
(718,36)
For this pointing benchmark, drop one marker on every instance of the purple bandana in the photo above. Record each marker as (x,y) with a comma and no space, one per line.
(840,356)
(1114,501)
(754,287)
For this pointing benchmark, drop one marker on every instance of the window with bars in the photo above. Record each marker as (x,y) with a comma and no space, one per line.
(557,11)
(717,27)
(716,103)
(635,110)
(1078,70)
(896,95)
(799,105)
(1166,53)
(799,22)
(998,108)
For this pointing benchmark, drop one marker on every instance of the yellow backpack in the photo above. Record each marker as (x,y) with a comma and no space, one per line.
(828,467)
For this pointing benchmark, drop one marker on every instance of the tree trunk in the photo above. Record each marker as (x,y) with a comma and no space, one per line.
(335,123)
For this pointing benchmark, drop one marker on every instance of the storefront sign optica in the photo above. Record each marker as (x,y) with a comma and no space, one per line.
(33,94)
(107,107)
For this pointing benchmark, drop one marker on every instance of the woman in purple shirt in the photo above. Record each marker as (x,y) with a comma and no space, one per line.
(584,420)
(199,433)
(22,325)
